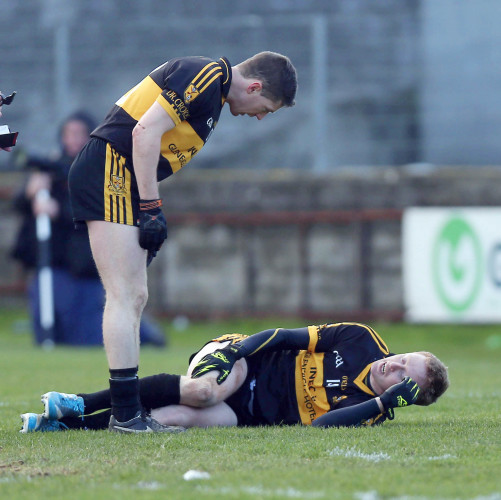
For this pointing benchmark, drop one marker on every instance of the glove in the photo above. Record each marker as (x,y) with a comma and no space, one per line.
(152,225)
(402,394)
(221,360)
(151,255)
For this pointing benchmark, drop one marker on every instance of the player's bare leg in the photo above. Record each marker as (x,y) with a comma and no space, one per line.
(121,263)
(220,415)
(122,266)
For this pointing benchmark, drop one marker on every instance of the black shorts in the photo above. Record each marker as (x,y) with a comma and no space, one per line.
(103,186)
(242,401)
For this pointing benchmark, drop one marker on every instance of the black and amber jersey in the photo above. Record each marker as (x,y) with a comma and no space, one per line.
(329,371)
(192,90)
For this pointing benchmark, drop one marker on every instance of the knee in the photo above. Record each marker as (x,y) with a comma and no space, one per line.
(200,392)
(135,296)
(140,298)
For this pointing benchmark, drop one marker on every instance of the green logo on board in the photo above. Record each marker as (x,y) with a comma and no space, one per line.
(457,264)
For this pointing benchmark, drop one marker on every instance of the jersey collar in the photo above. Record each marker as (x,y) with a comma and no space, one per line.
(226,79)
(360,381)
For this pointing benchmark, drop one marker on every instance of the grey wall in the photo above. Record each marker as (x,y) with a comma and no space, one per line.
(459,91)
(283,242)
(413,81)
(61,56)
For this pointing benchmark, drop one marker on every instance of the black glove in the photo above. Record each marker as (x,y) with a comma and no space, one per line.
(152,225)
(402,394)
(221,360)
(151,256)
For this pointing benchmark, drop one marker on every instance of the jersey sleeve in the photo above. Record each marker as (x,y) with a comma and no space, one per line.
(332,336)
(358,415)
(274,340)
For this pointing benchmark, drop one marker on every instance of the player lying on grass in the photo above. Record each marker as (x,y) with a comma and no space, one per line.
(331,375)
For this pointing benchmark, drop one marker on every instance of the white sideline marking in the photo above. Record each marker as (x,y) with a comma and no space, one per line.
(195,474)
(367,495)
(149,485)
(260,492)
(443,457)
(374,495)
(353,453)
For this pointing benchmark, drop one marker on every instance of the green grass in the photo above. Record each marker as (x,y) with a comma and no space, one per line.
(451,450)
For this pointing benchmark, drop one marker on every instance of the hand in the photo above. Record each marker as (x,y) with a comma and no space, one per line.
(221,360)
(402,394)
(152,225)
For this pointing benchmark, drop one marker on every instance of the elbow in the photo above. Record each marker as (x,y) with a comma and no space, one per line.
(137,134)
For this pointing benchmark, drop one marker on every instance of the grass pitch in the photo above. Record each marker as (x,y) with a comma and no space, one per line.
(451,450)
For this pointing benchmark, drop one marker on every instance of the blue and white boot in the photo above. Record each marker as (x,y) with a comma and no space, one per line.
(59,405)
(33,422)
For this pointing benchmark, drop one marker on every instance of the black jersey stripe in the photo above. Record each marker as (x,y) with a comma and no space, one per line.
(202,75)
(215,77)
(210,74)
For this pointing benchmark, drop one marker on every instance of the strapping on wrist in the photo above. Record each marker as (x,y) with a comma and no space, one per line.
(149,204)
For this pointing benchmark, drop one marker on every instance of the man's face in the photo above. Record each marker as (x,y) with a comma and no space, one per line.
(251,103)
(74,136)
(390,371)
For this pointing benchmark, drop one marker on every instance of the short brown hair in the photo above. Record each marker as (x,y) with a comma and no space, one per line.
(276,73)
(437,380)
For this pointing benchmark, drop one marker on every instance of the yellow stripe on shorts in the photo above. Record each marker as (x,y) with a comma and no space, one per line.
(117,195)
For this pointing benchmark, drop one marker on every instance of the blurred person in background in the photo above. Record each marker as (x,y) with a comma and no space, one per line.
(150,133)
(77,290)
(335,375)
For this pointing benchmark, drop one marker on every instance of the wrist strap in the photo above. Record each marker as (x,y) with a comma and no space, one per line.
(149,204)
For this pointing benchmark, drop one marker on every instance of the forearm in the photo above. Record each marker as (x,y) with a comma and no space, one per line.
(352,416)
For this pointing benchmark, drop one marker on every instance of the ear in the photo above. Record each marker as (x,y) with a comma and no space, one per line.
(255,88)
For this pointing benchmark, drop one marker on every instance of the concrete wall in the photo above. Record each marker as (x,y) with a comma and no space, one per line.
(235,266)
(459,92)
(61,56)
(283,242)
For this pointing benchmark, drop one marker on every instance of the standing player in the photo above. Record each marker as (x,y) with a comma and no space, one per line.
(328,376)
(151,132)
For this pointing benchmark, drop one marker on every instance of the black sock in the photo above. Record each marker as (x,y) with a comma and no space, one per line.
(96,422)
(155,391)
(160,390)
(124,394)
(96,401)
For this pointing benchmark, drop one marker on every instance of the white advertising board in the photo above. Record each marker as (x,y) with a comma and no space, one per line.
(452,264)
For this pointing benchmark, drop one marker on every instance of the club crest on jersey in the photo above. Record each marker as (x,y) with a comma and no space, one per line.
(191,93)
(117,185)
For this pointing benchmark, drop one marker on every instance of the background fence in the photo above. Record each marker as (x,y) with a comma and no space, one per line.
(392,97)
(382,82)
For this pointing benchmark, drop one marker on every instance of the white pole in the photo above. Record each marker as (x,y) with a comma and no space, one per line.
(45,281)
